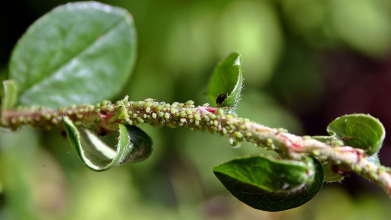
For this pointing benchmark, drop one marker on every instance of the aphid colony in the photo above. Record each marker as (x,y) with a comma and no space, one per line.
(195,118)
(202,118)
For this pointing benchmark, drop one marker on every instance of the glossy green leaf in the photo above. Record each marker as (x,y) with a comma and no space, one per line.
(10,95)
(227,79)
(271,184)
(77,53)
(134,145)
(359,131)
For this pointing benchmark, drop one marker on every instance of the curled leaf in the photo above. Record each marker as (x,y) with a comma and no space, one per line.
(226,82)
(359,131)
(271,184)
(134,145)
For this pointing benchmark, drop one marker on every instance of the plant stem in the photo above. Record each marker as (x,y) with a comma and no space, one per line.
(106,116)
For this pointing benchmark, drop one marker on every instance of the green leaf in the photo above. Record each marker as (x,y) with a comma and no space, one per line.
(134,145)
(270,184)
(227,79)
(77,53)
(359,131)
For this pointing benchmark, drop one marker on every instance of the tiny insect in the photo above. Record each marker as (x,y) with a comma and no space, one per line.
(220,99)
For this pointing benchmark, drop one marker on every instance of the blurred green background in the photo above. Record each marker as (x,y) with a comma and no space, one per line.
(305,63)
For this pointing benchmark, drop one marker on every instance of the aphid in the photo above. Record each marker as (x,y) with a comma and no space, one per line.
(221,98)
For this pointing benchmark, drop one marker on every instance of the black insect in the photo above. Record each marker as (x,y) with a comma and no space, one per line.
(221,98)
